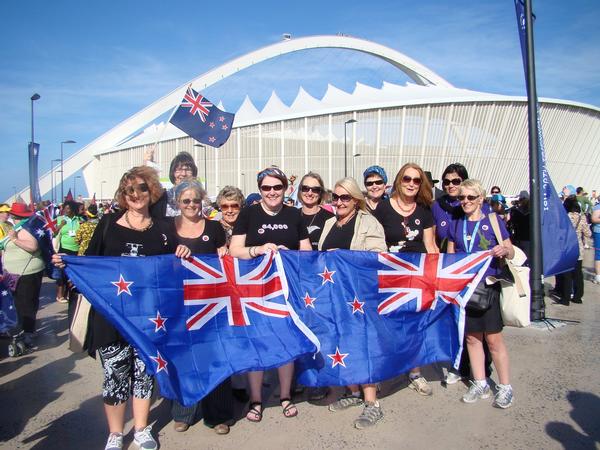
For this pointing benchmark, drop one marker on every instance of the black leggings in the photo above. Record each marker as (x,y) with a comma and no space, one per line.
(27,300)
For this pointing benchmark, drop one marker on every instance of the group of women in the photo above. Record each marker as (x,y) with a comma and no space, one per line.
(406,221)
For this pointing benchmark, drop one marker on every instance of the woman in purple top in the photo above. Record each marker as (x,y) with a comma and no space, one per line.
(446,210)
(470,234)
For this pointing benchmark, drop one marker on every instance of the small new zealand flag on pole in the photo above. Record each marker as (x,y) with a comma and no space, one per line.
(200,119)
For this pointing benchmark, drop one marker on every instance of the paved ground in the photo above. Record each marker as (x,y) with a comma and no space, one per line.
(49,399)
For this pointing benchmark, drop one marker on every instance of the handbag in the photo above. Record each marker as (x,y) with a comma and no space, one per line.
(515,296)
(481,300)
(79,326)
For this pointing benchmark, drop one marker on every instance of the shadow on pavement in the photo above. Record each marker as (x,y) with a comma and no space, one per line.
(586,410)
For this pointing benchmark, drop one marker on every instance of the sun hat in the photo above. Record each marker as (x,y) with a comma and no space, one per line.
(20,210)
(4,207)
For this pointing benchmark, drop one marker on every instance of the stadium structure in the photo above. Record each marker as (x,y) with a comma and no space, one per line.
(428,121)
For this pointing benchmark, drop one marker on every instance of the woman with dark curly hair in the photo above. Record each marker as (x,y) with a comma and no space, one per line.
(131,232)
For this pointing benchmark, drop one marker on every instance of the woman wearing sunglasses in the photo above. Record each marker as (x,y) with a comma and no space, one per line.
(446,210)
(260,228)
(375,180)
(230,201)
(474,233)
(131,232)
(201,236)
(408,225)
(353,228)
(312,190)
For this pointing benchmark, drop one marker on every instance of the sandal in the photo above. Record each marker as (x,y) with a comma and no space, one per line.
(287,410)
(254,414)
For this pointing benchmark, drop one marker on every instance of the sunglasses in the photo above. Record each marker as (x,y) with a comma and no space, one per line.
(371,183)
(470,198)
(453,181)
(187,201)
(233,207)
(315,189)
(267,188)
(495,192)
(139,188)
(406,180)
(345,198)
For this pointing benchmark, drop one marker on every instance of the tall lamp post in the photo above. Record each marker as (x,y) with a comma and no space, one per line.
(74,181)
(353,164)
(33,183)
(101,184)
(205,179)
(62,169)
(53,181)
(346,145)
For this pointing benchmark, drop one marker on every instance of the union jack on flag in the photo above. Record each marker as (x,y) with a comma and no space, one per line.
(259,290)
(425,279)
(197,104)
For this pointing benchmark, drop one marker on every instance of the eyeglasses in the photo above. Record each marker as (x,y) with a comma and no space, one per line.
(453,181)
(139,188)
(371,183)
(187,201)
(233,207)
(267,188)
(470,198)
(406,180)
(495,192)
(183,169)
(345,198)
(315,189)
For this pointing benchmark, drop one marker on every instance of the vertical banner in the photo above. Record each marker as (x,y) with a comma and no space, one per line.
(34,185)
(559,240)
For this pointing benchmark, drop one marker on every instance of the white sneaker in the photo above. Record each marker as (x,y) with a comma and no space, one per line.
(476,392)
(453,378)
(144,440)
(420,385)
(597,279)
(114,442)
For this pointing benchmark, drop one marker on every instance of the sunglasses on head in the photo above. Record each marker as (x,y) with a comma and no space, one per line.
(453,181)
(343,198)
(371,183)
(315,189)
(139,188)
(416,181)
(267,188)
(233,207)
(187,201)
(467,197)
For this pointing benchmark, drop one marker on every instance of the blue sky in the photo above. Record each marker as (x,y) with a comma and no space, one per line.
(97,63)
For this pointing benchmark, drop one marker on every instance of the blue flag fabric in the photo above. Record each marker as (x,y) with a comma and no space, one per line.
(8,312)
(347,317)
(42,225)
(34,185)
(559,240)
(196,322)
(197,117)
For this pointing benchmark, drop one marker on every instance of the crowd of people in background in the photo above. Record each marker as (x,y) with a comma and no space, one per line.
(409,215)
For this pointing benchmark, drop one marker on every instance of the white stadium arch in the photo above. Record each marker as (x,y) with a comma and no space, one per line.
(430,122)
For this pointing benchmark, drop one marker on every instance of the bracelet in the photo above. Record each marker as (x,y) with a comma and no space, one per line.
(250,252)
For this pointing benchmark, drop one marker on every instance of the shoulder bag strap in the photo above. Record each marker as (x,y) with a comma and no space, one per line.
(496,227)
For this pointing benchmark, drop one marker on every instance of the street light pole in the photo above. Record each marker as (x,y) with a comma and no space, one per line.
(101,183)
(205,175)
(353,164)
(53,181)
(62,169)
(32,183)
(74,191)
(346,146)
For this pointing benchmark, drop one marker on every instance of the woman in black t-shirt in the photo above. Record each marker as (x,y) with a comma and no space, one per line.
(260,228)
(133,232)
(201,236)
(311,197)
(409,227)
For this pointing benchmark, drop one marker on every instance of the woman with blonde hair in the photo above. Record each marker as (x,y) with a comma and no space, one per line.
(409,227)
(312,190)
(353,228)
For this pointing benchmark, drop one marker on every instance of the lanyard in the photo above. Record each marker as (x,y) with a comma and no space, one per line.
(470,239)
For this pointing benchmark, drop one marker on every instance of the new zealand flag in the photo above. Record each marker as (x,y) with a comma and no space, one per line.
(200,119)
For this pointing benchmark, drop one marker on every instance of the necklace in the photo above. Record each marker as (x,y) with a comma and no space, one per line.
(269,212)
(138,229)
(314,216)
(408,211)
(348,217)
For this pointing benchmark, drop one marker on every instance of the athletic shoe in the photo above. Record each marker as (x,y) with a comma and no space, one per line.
(453,378)
(345,402)
(420,385)
(596,279)
(114,442)
(504,396)
(371,414)
(476,392)
(144,440)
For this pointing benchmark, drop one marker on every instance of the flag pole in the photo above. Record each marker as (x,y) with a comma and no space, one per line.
(536,279)
(162,131)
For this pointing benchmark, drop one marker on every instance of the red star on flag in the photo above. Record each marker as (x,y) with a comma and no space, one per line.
(212,139)
(221,119)
(309,301)
(224,127)
(158,321)
(212,125)
(357,306)
(338,358)
(122,285)
(161,364)
(327,276)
